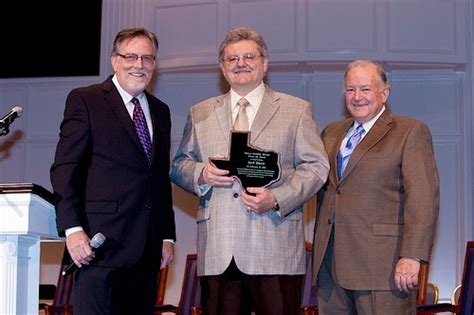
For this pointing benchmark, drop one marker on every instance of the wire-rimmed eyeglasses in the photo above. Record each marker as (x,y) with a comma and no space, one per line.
(132,58)
(247,58)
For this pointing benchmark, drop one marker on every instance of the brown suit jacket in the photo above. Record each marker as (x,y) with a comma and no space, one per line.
(385,206)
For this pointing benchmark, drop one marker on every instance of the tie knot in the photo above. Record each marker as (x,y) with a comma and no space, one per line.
(360,129)
(243,102)
(135,101)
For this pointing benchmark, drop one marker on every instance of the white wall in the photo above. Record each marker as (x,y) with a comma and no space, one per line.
(425,45)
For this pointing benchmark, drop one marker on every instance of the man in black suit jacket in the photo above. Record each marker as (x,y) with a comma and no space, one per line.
(105,180)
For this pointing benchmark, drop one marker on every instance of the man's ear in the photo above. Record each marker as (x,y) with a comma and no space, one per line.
(221,65)
(265,65)
(385,93)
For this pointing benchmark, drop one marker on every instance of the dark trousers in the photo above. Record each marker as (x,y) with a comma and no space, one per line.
(99,290)
(117,291)
(236,293)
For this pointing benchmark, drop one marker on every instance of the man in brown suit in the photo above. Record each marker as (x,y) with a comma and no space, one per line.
(377,216)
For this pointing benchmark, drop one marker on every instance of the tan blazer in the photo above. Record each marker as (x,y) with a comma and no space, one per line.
(260,244)
(385,206)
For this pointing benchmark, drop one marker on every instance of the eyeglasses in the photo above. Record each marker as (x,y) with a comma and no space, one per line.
(132,58)
(247,58)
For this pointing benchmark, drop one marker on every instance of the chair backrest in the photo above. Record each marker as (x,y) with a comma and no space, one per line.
(191,289)
(455,294)
(309,298)
(423,284)
(432,294)
(161,286)
(466,298)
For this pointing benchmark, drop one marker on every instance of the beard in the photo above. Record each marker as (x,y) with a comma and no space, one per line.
(136,86)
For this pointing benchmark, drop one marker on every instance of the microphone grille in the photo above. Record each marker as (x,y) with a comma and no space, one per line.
(18,110)
(97,240)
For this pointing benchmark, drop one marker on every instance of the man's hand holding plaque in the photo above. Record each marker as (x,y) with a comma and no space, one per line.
(253,167)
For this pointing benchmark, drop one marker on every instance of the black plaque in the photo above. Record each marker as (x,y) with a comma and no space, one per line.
(253,167)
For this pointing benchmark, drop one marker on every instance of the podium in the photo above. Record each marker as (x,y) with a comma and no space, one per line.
(26,216)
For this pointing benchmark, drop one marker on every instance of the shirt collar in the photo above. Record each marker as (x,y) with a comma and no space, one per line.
(254,97)
(369,124)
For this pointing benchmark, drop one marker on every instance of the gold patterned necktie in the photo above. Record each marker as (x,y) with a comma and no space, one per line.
(241,121)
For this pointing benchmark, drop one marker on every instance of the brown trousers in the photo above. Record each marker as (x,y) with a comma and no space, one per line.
(333,299)
(236,293)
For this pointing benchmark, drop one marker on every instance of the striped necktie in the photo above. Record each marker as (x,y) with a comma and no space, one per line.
(345,153)
(141,128)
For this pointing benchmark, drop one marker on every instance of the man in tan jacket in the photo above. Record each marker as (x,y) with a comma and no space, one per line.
(378,211)
(251,251)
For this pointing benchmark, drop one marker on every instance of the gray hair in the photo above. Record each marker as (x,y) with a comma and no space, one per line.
(365,63)
(129,33)
(243,33)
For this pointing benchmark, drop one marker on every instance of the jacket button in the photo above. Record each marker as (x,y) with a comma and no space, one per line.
(338,192)
(329,221)
(236,195)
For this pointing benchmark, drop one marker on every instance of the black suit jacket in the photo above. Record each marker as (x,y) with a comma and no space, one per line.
(102,180)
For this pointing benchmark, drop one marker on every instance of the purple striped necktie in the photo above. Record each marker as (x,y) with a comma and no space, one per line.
(141,128)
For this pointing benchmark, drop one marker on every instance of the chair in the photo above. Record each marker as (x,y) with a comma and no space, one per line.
(309,298)
(432,294)
(427,292)
(190,300)
(423,284)
(465,304)
(455,294)
(161,286)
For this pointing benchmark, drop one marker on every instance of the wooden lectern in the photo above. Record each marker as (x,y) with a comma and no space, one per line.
(26,216)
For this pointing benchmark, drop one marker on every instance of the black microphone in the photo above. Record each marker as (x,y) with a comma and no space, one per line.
(15,112)
(6,120)
(95,243)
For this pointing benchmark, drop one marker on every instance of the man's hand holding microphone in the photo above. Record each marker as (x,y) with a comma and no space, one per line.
(81,249)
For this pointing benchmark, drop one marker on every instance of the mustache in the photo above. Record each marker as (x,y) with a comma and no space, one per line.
(241,68)
(138,72)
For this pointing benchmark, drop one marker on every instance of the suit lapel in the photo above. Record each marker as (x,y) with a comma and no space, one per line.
(267,109)
(376,133)
(224,116)
(113,99)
